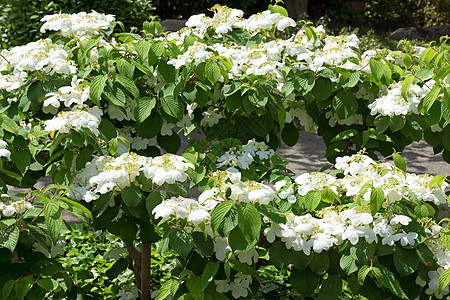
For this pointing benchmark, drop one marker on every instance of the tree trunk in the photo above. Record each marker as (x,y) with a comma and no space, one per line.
(146,270)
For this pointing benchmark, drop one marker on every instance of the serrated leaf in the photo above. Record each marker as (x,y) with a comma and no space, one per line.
(376,68)
(249,221)
(219,213)
(53,219)
(376,200)
(181,242)
(391,282)
(9,238)
(212,71)
(131,196)
(406,84)
(208,274)
(168,288)
(273,214)
(431,97)
(345,104)
(331,288)
(144,108)
(444,280)
(351,80)
(406,261)
(362,274)
(280,256)
(96,88)
(399,161)
(128,84)
(312,200)
(407,60)
(23,286)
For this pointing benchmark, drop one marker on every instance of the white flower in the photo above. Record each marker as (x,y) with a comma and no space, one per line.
(210,117)
(3,151)
(76,119)
(400,219)
(221,247)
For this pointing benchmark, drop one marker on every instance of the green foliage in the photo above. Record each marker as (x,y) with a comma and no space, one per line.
(19,21)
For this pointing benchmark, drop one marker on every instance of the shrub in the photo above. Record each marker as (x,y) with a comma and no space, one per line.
(94,109)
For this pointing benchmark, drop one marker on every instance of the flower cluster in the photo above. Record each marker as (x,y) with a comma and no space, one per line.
(106,173)
(11,204)
(307,233)
(81,25)
(75,119)
(77,93)
(182,208)
(391,102)
(225,18)
(442,255)
(41,55)
(242,158)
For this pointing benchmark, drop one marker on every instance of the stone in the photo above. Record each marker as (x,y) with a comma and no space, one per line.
(420,33)
(172,24)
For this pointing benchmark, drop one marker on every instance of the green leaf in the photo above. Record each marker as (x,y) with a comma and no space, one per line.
(290,134)
(437,181)
(320,263)
(212,71)
(9,238)
(249,221)
(23,286)
(181,242)
(143,49)
(84,156)
(171,103)
(312,200)
(203,245)
(350,81)
(406,261)
(322,89)
(208,274)
(9,125)
(22,160)
(331,288)
(244,268)
(237,241)
(117,268)
(220,212)
(391,282)
(406,84)
(397,122)
(143,108)
(7,288)
(327,195)
(305,282)
(376,68)
(53,219)
(168,288)
(131,196)
(129,85)
(167,72)
(429,99)
(444,280)
(382,123)
(362,274)
(304,82)
(280,256)
(407,60)
(194,285)
(399,161)
(344,135)
(345,104)
(376,200)
(278,9)
(445,237)
(96,88)
(273,214)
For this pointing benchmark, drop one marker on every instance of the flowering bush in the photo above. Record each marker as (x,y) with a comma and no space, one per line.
(227,207)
